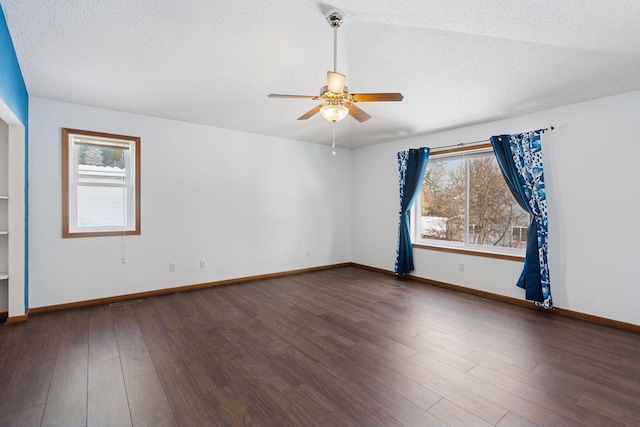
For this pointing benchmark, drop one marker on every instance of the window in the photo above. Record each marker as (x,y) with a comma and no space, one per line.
(519,235)
(100,184)
(466,204)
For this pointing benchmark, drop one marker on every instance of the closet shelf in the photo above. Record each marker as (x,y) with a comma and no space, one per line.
(4,232)
(4,197)
(4,276)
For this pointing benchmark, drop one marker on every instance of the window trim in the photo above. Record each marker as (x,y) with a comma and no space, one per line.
(68,165)
(464,249)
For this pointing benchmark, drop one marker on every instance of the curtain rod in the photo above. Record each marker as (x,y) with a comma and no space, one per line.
(464,144)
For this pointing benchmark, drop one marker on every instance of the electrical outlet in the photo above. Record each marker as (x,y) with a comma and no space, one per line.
(172,266)
(203,263)
(461,266)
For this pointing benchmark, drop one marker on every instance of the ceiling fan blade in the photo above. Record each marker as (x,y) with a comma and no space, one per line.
(357,113)
(373,97)
(310,113)
(277,95)
(335,82)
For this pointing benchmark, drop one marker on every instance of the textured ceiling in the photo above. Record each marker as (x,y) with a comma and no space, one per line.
(456,62)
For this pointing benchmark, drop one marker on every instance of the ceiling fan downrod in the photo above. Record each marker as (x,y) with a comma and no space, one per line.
(335,20)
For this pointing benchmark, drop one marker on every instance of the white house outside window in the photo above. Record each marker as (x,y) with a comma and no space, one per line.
(101,184)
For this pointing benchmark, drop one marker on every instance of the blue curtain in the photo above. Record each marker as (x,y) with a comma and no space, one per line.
(520,159)
(411,166)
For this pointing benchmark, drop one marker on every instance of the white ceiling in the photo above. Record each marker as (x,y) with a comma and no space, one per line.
(456,62)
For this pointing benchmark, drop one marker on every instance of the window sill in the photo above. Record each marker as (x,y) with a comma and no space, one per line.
(68,234)
(469,252)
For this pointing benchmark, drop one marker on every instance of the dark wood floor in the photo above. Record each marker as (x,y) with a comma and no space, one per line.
(342,347)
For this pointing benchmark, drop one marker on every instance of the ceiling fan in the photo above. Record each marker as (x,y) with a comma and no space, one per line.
(337,102)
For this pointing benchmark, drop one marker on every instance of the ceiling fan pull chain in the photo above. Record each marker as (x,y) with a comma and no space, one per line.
(333,146)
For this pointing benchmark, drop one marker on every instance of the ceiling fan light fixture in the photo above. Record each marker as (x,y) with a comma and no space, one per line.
(334,112)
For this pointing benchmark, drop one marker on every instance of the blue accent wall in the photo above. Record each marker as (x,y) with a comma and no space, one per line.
(13,92)
(12,88)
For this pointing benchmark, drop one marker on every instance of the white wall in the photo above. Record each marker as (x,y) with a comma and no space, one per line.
(590,164)
(296,196)
(246,203)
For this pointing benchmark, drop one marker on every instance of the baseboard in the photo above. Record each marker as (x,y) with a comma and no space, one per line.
(596,319)
(3,315)
(524,303)
(138,295)
(18,319)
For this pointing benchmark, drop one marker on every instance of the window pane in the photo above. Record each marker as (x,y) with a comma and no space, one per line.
(494,214)
(465,201)
(443,200)
(101,164)
(102,206)
(101,155)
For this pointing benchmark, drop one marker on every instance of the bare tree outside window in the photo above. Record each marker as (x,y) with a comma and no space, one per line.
(465,200)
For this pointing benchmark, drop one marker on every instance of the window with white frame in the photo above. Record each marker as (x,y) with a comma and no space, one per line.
(465,203)
(101,184)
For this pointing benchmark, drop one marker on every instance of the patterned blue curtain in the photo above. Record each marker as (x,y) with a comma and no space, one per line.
(411,166)
(520,158)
